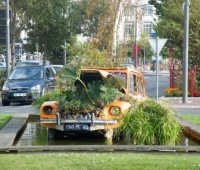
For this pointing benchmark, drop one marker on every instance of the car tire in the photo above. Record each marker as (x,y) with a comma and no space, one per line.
(5,103)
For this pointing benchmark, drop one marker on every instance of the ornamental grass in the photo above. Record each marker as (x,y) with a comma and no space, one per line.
(152,123)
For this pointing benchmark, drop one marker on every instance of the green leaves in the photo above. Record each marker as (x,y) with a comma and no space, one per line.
(70,73)
(152,123)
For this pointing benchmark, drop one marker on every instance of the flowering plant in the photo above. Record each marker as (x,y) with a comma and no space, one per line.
(173,92)
(197,93)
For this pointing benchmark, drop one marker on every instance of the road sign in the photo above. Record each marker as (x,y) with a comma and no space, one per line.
(161,43)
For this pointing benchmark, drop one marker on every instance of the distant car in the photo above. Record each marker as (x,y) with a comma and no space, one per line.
(26,84)
(2,58)
(57,67)
(31,63)
(2,65)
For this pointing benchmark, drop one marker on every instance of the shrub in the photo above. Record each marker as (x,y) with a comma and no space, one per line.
(2,78)
(197,93)
(152,123)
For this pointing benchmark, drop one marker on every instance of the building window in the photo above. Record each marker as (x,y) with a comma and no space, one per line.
(128,29)
(129,11)
(148,10)
(147,27)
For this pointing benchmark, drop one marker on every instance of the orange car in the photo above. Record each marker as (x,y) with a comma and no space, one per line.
(102,120)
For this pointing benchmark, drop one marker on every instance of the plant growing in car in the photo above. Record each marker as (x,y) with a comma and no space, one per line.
(73,94)
(152,123)
(84,97)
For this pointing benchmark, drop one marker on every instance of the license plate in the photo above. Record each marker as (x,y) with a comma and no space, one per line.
(76,126)
(19,94)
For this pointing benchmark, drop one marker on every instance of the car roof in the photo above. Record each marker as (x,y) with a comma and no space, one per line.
(33,66)
(56,65)
(28,62)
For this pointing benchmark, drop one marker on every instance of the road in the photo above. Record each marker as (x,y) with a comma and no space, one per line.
(17,108)
(163,83)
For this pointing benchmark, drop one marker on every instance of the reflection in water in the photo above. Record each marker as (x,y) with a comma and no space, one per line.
(34,134)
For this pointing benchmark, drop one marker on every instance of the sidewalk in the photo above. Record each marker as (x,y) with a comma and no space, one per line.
(150,72)
(177,102)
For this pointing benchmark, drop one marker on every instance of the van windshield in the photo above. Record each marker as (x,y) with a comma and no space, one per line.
(122,76)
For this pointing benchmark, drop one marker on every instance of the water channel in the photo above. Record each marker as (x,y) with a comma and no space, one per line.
(33,134)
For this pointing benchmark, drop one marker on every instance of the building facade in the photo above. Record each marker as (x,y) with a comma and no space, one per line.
(136,18)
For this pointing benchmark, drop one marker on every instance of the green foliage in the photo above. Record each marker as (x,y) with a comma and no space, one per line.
(171,24)
(152,123)
(73,94)
(2,78)
(54,95)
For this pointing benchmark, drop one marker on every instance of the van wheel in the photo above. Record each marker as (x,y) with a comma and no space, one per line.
(5,103)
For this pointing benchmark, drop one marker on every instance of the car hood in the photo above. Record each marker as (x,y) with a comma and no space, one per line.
(23,83)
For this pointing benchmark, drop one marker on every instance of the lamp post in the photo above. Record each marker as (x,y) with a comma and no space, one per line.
(185,51)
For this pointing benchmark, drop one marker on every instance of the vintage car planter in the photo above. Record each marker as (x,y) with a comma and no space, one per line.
(105,105)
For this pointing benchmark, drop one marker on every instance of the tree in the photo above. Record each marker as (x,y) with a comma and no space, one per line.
(171,26)
(51,27)
(19,16)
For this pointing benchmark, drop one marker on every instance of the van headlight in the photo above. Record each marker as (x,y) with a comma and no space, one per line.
(115,111)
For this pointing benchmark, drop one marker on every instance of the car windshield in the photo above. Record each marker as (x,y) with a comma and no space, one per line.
(27,73)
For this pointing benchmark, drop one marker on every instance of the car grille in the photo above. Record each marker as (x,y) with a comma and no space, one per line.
(19,88)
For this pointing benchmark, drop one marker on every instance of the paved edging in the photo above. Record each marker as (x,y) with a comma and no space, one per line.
(9,132)
(11,129)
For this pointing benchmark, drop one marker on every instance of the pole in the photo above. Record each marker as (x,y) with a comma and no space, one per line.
(185,52)
(7,40)
(135,50)
(64,53)
(144,58)
(157,66)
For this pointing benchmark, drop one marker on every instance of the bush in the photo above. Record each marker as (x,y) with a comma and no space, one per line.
(2,78)
(152,123)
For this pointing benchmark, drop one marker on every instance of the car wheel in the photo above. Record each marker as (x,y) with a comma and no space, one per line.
(5,103)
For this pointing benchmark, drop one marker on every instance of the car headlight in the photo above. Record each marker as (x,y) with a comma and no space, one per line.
(36,89)
(48,110)
(115,111)
(5,88)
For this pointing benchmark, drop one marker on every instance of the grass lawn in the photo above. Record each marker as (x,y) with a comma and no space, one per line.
(99,161)
(5,118)
(191,118)
(94,161)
